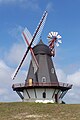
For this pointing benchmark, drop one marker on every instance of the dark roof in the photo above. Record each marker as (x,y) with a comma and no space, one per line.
(41,48)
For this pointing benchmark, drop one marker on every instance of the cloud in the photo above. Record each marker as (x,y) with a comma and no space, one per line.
(49,7)
(16,32)
(72,95)
(61,75)
(5,75)
(74,78)
(29,4)
(3,91)
(15,54)
(6,92)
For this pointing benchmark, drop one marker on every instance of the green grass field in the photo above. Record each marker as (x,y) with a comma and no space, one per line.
(39,111)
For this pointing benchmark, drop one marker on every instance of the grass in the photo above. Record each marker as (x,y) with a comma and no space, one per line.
(39,111)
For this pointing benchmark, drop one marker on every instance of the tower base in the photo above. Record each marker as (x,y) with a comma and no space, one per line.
(42,92)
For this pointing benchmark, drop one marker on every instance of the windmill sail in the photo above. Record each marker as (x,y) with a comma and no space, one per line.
(26,35)
(39,28)
(34,60)
(54,39)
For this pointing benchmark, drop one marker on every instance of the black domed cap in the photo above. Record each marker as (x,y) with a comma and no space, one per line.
(41,48)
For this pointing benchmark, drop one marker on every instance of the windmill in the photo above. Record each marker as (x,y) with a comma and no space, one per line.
(41,84)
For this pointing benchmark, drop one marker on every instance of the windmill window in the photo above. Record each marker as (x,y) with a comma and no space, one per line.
(44,79)
(44,95)
(52,70)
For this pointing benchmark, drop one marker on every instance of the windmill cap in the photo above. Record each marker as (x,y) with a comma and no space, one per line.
(41,48)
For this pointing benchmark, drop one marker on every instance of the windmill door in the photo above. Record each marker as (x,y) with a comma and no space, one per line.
(56,98)
(30,82)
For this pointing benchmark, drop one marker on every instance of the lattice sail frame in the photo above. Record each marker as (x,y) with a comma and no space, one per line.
(54,39)
(28,36)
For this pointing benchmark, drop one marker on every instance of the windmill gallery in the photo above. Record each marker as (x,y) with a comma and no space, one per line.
(41,84)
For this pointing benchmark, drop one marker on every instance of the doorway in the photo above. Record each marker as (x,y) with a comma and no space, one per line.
(56,98)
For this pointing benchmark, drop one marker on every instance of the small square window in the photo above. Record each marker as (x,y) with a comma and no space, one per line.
(52,70)
(44,79)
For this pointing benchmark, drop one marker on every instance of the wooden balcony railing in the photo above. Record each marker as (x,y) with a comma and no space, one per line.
(36,84)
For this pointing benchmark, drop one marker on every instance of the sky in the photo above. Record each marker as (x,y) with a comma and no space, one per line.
(64,17)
